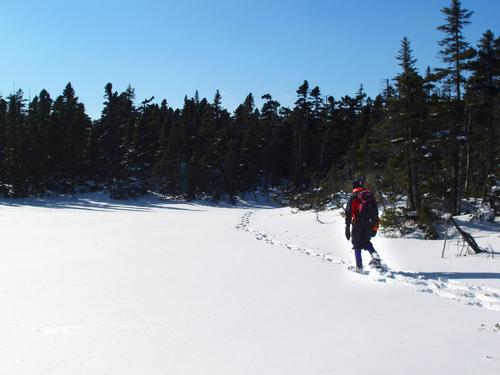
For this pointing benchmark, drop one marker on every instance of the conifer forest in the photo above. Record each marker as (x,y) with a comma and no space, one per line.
(430,135)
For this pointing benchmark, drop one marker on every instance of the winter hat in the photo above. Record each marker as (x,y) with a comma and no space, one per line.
(356,184)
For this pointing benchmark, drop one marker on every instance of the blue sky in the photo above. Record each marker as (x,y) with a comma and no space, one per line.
(171,48)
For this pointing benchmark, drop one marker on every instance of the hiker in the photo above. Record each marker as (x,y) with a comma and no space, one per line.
(362,213)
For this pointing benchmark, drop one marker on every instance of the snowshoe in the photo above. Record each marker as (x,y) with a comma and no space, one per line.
(376,264)
(357,270)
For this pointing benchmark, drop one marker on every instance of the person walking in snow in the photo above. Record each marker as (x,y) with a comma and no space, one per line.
(362,214)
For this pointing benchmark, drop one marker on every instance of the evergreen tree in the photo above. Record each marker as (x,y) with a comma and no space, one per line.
(213,122)
(166,118)
(302,150)
(115,130)
(16,150)
(249,166)
(482,98)
(3,145)
(141,144)
(39,126)
(199,167)
(271,124)
(71,132)
(455,52)
(408,113)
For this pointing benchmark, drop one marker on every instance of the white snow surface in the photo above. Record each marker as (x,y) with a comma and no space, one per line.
(94,286)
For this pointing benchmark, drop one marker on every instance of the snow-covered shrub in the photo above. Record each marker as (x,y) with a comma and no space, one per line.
(404,222)
(485,213)
(394,219)
(315,198)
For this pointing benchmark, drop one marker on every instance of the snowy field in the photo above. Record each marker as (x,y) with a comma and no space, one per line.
(93,286)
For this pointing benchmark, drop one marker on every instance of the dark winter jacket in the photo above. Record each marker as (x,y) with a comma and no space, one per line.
(362,231)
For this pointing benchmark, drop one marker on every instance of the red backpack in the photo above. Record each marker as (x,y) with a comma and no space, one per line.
(364,208)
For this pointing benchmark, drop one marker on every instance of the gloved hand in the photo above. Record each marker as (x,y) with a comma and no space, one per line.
(348,232)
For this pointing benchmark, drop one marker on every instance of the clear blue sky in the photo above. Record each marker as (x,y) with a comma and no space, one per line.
(171,48)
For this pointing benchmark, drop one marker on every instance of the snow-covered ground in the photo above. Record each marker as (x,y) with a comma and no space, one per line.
(93,286)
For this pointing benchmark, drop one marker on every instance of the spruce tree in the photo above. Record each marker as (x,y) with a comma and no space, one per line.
(482,99)
(3,145)
(166,115)
(16,150)
(71,129)
(302,137)
(115,130)
(39,124)
(409,114)
(271,124)
(455,49)
(455,52)
(249,166)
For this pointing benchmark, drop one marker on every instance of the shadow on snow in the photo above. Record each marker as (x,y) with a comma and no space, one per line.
(477,225)
(102,202)
(449,275)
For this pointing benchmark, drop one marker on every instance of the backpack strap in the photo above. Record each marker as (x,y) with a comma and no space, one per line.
(356,201)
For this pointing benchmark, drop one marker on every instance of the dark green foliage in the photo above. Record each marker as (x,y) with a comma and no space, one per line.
(431,137)
(395,219)
(483,115)
(455,49)
(455,53)
(16,148)
(71,127)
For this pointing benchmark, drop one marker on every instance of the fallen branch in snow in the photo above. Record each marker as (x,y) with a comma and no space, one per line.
(468,242)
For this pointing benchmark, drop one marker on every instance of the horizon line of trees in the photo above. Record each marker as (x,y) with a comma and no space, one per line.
(432,136)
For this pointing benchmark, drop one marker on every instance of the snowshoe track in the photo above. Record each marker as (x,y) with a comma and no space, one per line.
(263,236)
(472,295)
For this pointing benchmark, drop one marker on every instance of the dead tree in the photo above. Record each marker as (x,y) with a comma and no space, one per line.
(466,241)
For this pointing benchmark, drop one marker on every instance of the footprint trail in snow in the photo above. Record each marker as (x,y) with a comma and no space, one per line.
(473,295)
(263,236)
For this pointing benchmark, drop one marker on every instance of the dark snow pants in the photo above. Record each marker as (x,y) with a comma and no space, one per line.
(357,253)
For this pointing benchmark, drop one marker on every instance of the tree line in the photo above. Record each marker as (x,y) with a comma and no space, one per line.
(431,135)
